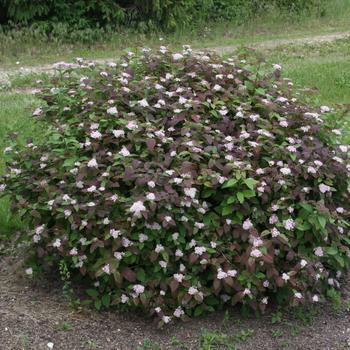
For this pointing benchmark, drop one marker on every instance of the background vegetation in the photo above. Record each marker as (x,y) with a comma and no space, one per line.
(145,14)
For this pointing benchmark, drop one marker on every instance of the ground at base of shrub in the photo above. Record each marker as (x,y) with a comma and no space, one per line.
(34,315)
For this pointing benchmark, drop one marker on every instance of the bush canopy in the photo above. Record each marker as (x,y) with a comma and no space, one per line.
(182,182)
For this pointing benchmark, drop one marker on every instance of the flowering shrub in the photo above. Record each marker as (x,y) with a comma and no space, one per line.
(180,182)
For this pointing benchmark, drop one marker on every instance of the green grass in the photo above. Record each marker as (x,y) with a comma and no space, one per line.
(24,80)
(15,116)
(323,67)
(31,48)
(331,78)
(321,72)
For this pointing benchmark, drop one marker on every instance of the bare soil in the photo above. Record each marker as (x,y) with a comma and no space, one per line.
(34,313)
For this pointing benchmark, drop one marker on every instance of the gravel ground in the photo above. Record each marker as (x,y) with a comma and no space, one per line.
(33,314)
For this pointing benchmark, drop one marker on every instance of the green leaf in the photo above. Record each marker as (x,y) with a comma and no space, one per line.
(293,156)
(231,200)
(211,300)
(260,91)
(322,221)
(305,226)
(182,230)
(307,207)
(250,183)
(69,162)
(207,220)
(340,260)
(239,216)
(141,275)
(331,250)
(106,300)
(250,86)
(263,250)
(265,233)
(260,275)
(240,197)
(93,293)
(346,239)
(230,183)
(248,193)
(198,311)
(207,193)
(98,304)
(127,254)
(211,250)
(226,211)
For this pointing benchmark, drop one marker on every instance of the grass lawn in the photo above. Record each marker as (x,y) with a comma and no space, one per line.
(321,72)
(324,67)
(15,116)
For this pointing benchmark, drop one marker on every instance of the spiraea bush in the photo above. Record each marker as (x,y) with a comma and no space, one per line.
(180,182)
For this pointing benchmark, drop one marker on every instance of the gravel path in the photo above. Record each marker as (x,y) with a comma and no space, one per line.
(4,74)
(34,314)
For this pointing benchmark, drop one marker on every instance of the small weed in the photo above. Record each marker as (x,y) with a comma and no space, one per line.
(335,298)
(211,340)
(295,330)
(306,315)
(276,317)
(276,333)
(66,326)
(148,344)
(26,343)
(175,341)
(225,321)
(91,344)
(244,334)
(238,322)
(283,344)
(68,291)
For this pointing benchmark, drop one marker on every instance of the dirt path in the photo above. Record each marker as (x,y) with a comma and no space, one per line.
(34,314)
(269,44)
(4,74)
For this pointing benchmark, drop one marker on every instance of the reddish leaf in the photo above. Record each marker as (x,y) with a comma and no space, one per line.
(229,281)
(129,274)
(279,281)
(217,286)
(193,258)
(186,298)
(268,259)
(151,143)
(173,285)
(237,298)
(153,256)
